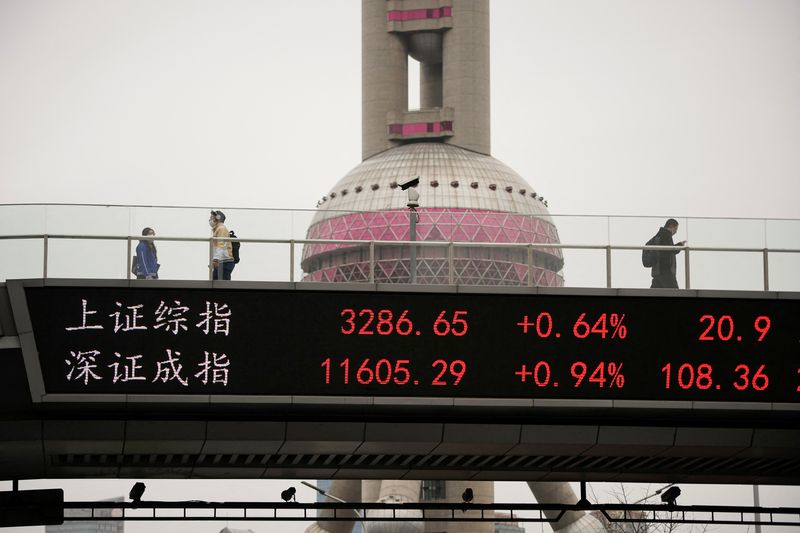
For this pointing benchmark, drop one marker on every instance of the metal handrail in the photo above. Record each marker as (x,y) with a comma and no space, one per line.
(377,242)
(340,511)
(312,211)
(450,245)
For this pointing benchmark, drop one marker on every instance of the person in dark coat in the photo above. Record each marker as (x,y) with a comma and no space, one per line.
(665,267)
(147,257)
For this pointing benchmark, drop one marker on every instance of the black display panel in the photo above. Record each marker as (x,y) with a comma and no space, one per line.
(349,343)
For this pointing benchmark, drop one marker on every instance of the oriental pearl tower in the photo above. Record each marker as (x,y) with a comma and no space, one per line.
(464,195)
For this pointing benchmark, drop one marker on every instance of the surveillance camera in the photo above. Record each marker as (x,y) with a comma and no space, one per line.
(410,183)
(137,491)
(670,495)
(413,198)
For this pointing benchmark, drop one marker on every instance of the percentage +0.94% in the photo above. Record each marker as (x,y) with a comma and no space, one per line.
(603,374)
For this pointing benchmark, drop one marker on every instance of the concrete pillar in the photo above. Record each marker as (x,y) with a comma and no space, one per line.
(384,77)
(399,489)
(370,490)
(466,75)
(430,85)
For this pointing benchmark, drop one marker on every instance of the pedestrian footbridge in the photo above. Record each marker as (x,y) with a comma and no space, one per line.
(268,376)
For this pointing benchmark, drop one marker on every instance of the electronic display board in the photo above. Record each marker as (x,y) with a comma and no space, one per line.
(203,341)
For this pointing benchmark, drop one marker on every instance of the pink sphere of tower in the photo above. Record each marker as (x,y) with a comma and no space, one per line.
(464,197)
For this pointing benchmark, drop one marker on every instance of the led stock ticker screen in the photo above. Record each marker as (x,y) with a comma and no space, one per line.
(350,343)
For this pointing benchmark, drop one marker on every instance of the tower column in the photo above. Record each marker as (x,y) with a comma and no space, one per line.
(384,79)
(430,85)
(466,75)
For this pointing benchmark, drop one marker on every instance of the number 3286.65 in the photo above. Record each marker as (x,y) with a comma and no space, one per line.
(384,322)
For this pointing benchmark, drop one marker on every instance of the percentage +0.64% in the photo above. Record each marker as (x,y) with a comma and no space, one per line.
(605,326)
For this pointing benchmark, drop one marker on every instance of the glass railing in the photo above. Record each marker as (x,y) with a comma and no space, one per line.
(96,241)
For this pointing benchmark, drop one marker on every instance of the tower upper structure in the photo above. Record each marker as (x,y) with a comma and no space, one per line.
(464,194)
(451,42)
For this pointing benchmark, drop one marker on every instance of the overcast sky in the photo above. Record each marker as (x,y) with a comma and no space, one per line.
(681,107)
(641,107)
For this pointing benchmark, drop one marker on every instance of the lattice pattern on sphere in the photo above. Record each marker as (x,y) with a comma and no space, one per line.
(435,272)
(460,225)
(472,266)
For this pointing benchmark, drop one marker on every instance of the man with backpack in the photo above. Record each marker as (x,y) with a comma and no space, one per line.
(663,263)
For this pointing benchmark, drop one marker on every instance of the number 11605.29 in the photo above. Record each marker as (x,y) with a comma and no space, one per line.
(385,371)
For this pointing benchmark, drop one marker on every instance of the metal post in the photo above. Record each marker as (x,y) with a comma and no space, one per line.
(211,259)
(608,266)
(757,503)
(530,265)
(130,262)
(766,269)
(45,251)
(686,265)
(372,261)
(412,236)
(451,275)
(291,261)
(583,502)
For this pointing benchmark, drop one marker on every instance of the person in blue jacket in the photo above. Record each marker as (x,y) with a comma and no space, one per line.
(147,257)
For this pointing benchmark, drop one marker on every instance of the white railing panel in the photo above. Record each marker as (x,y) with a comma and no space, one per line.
(584,268)
(627,270)
(723,233)
(582,229)
(784,271)
(263,262)
(782,234)
(181,260)
(86,258)
(23,258)
(725,270)
(88,220)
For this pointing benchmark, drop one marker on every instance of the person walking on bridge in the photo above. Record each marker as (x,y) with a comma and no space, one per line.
(665,267)
(147,256)
(222,262)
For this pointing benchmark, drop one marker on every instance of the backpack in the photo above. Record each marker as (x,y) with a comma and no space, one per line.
(649,257)
(235,245)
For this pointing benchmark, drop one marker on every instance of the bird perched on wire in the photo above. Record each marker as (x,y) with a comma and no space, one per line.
(288,495)
(467,496)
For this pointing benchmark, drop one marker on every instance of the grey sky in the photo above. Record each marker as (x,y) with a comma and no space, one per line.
(642,107)
(638,107)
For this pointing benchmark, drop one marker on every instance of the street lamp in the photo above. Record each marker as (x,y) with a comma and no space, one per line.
(413,218)
(332,497)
